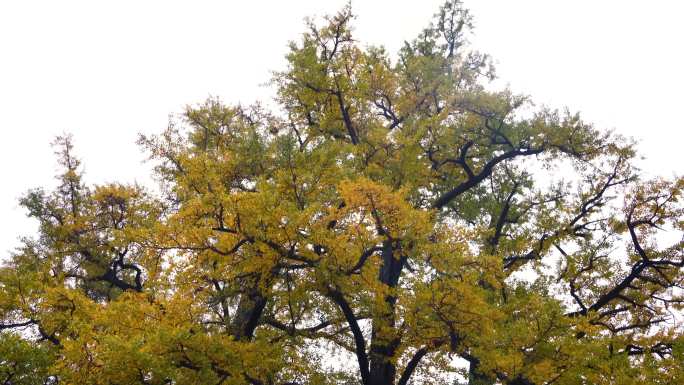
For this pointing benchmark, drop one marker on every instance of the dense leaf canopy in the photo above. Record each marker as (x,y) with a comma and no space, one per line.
(393,221)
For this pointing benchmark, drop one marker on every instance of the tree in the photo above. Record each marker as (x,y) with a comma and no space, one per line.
(395,212)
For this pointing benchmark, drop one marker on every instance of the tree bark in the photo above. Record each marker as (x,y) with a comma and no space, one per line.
(248,313)
(383,344)
(475,377)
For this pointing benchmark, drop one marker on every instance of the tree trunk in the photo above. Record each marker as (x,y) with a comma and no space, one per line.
(383,341)
(475,377)
(249,310)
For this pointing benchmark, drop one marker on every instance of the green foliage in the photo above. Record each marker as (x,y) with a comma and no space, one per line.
(23,362)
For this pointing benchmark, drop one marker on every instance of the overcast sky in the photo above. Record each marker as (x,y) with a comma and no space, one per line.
(107,70)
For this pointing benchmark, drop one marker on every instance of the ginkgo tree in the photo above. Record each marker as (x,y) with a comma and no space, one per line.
(393,221)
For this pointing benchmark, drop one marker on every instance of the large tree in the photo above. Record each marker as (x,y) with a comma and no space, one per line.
(394,214)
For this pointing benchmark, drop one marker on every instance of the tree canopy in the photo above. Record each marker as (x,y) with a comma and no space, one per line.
(392,221)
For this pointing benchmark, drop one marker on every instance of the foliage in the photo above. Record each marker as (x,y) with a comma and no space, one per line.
(395,214)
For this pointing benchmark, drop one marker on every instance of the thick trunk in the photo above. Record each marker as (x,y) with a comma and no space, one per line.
(384,341)
(475,377)
(381,373)
(246,319)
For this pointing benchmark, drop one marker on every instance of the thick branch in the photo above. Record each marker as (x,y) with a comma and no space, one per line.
(359,340)
(486,171)
(412,365)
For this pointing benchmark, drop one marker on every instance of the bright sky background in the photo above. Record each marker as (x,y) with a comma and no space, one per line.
(105,71)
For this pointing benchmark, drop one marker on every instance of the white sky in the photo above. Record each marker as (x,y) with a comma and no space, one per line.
(106,71)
